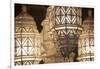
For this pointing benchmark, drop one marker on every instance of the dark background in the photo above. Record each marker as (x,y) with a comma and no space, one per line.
(39,12)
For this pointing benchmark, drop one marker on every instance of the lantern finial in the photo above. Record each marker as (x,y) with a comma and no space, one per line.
(24,8)
(89,12)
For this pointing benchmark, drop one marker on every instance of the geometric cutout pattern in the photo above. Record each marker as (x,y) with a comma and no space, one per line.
(68,15)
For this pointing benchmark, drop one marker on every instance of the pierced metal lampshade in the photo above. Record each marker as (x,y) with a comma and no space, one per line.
(27,39)
(48,44)
(66,30)
(86,40)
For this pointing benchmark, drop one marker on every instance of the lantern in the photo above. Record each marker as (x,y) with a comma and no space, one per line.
(66,30)
(27,39)
(48,44)
(86,40)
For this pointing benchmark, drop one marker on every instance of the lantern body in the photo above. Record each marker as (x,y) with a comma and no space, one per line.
(66,30)
(27,40)
(48,44)
(86,40)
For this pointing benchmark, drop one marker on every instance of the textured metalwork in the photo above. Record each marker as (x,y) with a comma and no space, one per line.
(63,38)
(86,41)
(27,39)
(66,31)
(48,44)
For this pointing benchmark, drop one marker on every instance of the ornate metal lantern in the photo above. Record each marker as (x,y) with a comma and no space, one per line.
(48,44)
(27,39)
(86,40)
(66,31)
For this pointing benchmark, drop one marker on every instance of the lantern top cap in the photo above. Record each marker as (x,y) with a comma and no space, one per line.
(24,8)
(89,12)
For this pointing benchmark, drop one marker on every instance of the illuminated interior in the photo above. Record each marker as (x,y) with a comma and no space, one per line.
(27,40)
(64,37)
(86,41)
